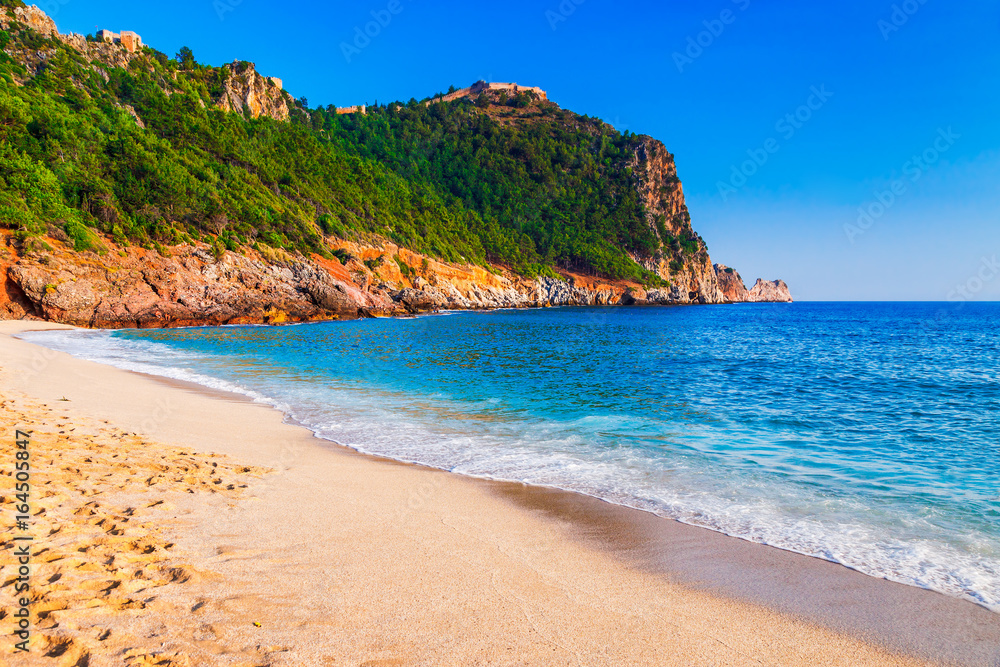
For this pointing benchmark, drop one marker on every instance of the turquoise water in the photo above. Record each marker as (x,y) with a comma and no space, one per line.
(865,434)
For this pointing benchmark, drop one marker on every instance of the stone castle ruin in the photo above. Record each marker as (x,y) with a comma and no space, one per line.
(361,109)
(130,40)
(480,87)
(474,90)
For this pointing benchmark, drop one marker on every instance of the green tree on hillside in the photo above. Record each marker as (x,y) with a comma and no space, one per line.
(186,58)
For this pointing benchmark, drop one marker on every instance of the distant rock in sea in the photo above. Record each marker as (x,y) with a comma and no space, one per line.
(734,289)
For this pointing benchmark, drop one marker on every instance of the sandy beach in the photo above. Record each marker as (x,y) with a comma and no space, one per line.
(176,527)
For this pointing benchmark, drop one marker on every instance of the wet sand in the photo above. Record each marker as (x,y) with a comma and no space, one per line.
(902,618)
(308,555)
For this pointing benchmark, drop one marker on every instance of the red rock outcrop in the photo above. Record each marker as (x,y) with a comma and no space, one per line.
(134,287)
(145,289)
(731,284)
(188,285)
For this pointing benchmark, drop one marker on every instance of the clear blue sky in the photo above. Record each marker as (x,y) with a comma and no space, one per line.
(892,91)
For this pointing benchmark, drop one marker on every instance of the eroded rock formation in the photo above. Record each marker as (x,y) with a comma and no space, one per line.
(770,291)
(37,20)
(684,260)
(735,290)
(134,287)
(246,91)
(731,284)
(145,289)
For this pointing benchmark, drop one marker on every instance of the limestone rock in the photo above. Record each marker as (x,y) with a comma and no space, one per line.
(634,296)
(764,291)
(37,20)
(144,289)
(419,301)
(133,287)
(246,91)
(731,284)
(770,291)
(667,215)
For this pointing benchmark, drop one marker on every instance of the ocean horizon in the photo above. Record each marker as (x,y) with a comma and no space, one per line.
(862,433)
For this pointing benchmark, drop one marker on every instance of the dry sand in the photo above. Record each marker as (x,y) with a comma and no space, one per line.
(170,546)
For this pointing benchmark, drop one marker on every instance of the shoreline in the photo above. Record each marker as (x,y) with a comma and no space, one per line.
(786,591)
(902,618)
(366,315)
(944,627)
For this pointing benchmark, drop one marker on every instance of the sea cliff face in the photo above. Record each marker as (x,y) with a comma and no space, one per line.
(141,288)
(731,284)
(191,285)
(683,260)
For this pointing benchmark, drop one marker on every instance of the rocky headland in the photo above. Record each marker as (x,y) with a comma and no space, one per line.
(192,280)
(192,284)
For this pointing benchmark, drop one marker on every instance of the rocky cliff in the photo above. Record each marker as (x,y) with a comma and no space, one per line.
(190,285)
(683,261)
(141,288)
(101,54)
(246,91)
(36,19)
(731,284)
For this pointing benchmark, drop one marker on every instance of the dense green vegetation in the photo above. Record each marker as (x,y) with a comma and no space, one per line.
(73,156)
(552,188)
(445,179)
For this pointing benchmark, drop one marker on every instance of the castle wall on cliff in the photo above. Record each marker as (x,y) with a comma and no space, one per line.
(128,39)
(480,87)
(361,109)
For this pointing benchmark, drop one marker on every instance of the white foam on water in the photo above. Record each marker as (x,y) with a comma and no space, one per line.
(677,483)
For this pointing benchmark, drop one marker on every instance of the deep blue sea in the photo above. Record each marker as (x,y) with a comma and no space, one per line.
(865,434)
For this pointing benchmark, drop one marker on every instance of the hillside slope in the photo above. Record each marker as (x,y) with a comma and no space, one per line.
(115,158)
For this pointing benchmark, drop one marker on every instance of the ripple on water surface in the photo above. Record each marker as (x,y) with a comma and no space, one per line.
(866,434)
